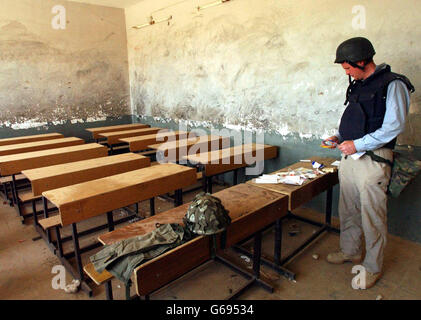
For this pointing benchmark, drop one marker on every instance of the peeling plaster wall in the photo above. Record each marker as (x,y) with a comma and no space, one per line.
(263,64)
(49,76)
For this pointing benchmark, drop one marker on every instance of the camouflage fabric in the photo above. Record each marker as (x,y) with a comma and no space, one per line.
(122,257)
(206,215)
(403,171)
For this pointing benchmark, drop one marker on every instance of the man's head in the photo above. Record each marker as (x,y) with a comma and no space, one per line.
(354,55)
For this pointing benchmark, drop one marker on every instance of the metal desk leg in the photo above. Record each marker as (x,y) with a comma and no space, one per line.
(78,257)
(17,202)
(59,242)
(110,221)
(204,180)
(6,187)
(257,253)
(235,177)
(329,206)
(278,242)
(34,212)
(77,251)
(108,290)
(13,189)
(45,205)
(152,206)
(209,183)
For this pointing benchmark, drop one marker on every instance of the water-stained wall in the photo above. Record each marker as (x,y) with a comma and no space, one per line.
(264,64)
(56,76)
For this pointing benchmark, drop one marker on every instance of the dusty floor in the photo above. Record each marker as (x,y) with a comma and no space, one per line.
(26,267)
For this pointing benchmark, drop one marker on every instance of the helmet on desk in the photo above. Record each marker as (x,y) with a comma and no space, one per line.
(206,215)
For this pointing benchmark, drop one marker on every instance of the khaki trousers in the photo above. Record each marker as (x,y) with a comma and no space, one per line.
(363,207)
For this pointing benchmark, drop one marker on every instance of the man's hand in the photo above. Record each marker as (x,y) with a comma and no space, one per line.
(347,147)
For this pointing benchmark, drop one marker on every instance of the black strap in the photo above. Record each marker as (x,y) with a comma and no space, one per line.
(355,65)
(349,89)
(377,158)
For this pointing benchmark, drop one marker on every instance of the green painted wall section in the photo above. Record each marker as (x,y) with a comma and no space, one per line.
(404,213)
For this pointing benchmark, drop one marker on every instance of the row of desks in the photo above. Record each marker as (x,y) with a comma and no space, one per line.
(86,199)
(82,182)
(252,207)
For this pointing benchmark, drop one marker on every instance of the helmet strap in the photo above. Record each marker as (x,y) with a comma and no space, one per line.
(355,65)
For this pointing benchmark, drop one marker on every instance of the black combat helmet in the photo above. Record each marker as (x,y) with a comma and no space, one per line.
(206,215)
(354,50)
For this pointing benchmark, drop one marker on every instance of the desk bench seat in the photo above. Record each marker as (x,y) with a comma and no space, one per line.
(98,278)
(50,222)
(7,179)
(27,196)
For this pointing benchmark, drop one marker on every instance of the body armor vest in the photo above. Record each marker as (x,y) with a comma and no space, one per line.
(367,104)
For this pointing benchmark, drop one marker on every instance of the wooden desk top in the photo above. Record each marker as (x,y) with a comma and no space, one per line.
(121,127)
(61,175)
(249,208)
(39,145)
(299,195)
(240,200)
(88,199)
(16,163)
(114,137)
(24,139)
(188,142)
(220,156)
(141,143)
(176,150)
(228,159)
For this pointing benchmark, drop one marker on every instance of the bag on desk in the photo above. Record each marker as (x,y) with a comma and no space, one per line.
(404,170)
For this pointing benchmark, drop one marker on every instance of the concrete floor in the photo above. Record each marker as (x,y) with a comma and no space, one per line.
(26,267)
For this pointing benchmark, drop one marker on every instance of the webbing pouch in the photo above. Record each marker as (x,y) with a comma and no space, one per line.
(404,170)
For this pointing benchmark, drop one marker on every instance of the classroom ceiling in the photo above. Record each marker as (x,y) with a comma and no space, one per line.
(110,3)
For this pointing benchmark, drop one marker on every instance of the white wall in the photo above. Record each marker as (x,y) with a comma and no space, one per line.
(263,63)
(79,73)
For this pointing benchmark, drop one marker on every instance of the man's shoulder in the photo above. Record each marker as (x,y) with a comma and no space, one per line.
(400,84)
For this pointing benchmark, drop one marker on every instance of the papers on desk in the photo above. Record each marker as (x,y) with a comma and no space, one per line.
(296,177)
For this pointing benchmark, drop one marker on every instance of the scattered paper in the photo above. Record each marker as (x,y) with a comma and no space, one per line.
(317,165)
(268,178)
(357,155)
(335,163)
(295,180)
(295,177)
(263,181)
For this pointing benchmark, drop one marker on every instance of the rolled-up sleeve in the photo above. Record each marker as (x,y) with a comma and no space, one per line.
(397,107)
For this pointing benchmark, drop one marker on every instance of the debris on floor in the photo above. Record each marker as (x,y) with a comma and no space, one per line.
(293,229)
(246,259)
(136,218)
(122,213)
(73,287)
(379,297)
(315,256)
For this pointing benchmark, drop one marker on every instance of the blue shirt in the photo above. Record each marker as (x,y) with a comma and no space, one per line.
(397,107)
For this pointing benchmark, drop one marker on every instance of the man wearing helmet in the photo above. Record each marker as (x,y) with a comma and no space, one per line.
(377,103)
